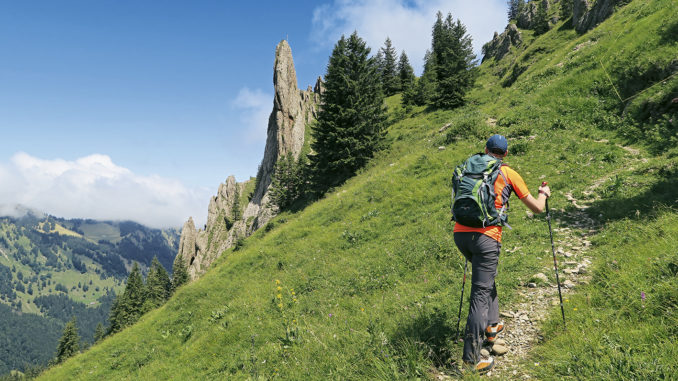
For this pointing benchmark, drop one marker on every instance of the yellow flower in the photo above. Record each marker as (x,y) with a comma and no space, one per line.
(293,293)
(279,296)
(279,288)
(277,281)
(575,308)
(362,309)
(294,300)
(280,305)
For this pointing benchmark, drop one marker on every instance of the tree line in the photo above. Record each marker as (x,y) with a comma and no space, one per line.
(351,123)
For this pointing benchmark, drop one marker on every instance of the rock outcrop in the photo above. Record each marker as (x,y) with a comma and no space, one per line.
(229,218)
(585,19)
(501,43)
(526,17)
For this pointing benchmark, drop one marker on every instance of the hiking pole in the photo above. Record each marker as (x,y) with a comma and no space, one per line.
(461,301)
(555,263)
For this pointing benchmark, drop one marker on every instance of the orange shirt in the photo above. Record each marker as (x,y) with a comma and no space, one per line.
(503,191)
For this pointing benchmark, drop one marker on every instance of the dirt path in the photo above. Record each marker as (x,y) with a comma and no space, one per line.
(523,320)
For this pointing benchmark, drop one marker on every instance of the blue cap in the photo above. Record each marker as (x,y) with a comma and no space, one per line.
(497,142)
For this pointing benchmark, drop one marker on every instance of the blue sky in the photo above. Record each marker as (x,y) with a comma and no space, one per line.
(139,109)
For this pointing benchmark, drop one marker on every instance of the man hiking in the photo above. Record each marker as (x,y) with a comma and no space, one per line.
(484,180)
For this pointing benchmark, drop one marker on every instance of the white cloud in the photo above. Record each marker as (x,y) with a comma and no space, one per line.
(254,107)
(407,23)
(95,187)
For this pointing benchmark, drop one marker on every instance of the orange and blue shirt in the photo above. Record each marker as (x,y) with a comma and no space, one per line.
(510,182)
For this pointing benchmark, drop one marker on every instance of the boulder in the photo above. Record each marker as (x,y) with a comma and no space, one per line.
(499,350)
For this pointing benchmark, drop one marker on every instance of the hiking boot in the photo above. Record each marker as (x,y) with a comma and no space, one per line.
(481,367)
(492,331)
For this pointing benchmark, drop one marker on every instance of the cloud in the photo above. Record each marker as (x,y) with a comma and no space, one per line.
(407,23)
(95,187)
(254,107)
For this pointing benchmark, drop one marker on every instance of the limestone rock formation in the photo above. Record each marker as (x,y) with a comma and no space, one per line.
(585,19)
(229,218)
(292,111)
(501,43)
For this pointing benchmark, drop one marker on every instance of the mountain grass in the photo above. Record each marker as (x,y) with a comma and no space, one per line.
(365,283)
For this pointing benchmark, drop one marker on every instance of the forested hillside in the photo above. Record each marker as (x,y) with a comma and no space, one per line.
(364,283)
(52,269)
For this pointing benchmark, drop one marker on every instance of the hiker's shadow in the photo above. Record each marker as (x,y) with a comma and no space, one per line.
(433,333)
(615,206)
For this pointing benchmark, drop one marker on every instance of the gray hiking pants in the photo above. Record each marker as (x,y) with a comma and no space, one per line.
(483,253)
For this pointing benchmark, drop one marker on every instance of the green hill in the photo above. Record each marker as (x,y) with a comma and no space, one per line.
(365,283)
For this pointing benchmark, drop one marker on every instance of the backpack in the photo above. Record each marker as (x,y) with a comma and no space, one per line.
(473,194)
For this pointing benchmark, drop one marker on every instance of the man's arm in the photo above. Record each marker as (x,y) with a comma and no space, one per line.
(538,204)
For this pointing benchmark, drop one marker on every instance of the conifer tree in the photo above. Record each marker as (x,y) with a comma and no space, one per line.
(425,87)
(179,273)
(389,72)
(69,344)
(541,19)
(454,58)
(288,181)
(99,332)
(566,9)
(158,285)
(350,124)
(514,9)
(407,79)
(128,307)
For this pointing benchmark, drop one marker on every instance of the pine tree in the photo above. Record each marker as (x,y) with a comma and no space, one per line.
(407,79)
(454,58)
(69,344)
(158,285)
(179,273)
(350,125)
(541,19)
(389,72)
(99,333)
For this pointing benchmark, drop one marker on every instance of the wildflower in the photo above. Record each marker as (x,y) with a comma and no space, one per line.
(280,305)
(575,308)
(277,281)
(330,315)
(362,309)
(279,288)
(293,293)
(294,300)
(642,296)
(279,296)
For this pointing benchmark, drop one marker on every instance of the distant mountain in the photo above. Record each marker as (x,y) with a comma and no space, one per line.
(52,269)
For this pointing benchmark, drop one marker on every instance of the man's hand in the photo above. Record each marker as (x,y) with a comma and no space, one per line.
(545,190)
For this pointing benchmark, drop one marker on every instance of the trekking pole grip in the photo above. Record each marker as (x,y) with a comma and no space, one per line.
(544,183)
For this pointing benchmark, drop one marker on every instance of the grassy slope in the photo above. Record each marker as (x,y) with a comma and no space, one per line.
(373,266)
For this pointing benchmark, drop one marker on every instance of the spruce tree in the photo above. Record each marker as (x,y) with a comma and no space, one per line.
(407,79)
(389,72)
(425,87)
(566,9)
(350,124)
(158,285)
(128,307)
(454,58)
(541,19)
(288,181)
(99,333)
(69,344)
(179,273)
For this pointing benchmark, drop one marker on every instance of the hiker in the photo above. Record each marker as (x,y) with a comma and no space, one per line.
(478,237)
